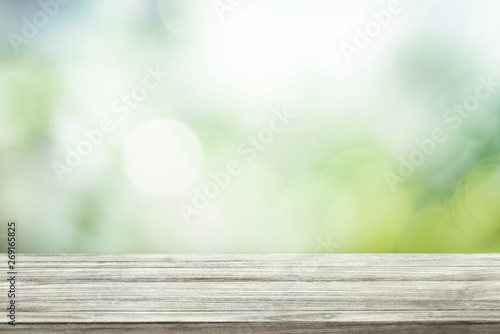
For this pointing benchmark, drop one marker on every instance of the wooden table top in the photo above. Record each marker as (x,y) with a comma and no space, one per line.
(256,293)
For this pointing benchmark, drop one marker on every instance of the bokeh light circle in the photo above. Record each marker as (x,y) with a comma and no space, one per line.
(187,18)
(476,199)
(162,156)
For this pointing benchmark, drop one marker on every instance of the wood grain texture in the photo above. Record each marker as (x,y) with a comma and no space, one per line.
(257,293)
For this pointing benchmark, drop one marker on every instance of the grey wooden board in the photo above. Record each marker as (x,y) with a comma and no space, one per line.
(267,328)
(256,293)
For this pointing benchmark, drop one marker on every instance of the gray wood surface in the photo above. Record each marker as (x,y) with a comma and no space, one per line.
(256,293)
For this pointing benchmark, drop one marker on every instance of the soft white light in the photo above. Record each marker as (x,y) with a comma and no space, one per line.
(162,156)
(191,19)
(268,46)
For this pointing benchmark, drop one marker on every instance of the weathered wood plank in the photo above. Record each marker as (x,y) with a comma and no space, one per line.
(264,328)
(245,260)
(252,293)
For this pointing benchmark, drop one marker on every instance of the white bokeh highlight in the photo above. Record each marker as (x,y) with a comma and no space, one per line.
(162,156)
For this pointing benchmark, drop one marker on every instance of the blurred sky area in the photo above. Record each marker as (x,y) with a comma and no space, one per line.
(250,126)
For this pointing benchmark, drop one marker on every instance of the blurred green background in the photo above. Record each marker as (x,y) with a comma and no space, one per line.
(320,184)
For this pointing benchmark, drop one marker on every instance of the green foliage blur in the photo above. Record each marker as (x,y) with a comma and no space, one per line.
(325,183)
